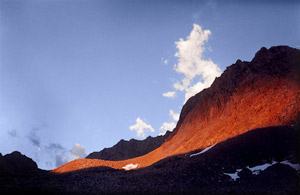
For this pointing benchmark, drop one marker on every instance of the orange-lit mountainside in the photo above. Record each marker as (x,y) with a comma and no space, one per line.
(248,95)
(240,136)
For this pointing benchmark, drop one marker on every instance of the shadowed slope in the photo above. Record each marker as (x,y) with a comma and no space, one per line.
(248,95)
(205,173)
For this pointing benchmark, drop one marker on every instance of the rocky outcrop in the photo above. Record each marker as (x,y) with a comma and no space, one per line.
(17,164)
(129,149)
(248,95)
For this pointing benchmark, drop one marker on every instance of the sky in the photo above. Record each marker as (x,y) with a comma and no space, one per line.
(77,76)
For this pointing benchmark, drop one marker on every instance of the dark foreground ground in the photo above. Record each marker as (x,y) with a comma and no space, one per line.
(182,174)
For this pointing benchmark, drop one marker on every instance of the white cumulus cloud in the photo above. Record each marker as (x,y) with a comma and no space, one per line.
(199,73)
(169,94)
(141,127)
(166,127)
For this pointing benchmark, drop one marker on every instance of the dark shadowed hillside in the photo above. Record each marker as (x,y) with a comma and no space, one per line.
(129,149)
(262,161)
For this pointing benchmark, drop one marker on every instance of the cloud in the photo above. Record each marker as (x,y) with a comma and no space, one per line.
(78,151)
(199,73)
(175,116)
(140,127)
(166,127)
(34,139)
(58,153)
(54,147)
(169,126)
(170,94)
(12,133)
(62,156)
(166,61)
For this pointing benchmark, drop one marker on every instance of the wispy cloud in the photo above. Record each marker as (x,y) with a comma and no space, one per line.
(54,147)
(198,73)
(34,139)
(169,94)
(169,126)
(141,127)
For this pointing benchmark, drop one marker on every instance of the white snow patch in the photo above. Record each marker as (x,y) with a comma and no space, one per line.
(130,166)
(234,176)
(205,150)
(294,166)
(257,169)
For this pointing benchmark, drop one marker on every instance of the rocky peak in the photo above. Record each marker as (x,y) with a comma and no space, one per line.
(17,164)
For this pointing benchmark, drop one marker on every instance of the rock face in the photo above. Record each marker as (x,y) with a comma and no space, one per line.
(17,164)
(129,149)
(248,95)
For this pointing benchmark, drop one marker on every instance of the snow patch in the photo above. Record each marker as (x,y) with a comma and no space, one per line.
(234,176)
(130,166)
(257,169)
(205,150)
(294,166)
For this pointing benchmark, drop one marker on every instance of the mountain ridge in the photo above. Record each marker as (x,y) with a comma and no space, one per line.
(248,95)
(129,149)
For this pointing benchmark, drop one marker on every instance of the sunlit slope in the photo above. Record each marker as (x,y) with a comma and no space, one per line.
(248,95)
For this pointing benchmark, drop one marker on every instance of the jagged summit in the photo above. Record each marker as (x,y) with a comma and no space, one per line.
(129,149)
(248,95)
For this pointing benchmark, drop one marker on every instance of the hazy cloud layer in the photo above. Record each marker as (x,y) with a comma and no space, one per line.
(198,73)
(141,127)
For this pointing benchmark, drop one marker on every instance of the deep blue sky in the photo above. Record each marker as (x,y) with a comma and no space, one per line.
(82,72)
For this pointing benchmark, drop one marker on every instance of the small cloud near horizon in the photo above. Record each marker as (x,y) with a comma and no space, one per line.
(62,156)
(78,151)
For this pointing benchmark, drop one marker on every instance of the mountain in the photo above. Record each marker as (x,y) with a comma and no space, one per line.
(261,161)
(129,149)
(240,136)
(17,164)
(248,95)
